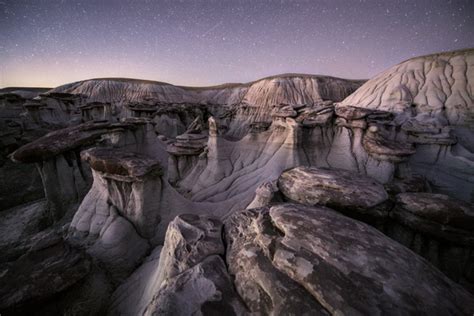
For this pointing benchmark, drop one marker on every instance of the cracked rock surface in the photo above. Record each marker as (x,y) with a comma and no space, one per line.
(333,264)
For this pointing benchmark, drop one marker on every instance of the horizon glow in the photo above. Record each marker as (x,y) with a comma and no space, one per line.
(201,43)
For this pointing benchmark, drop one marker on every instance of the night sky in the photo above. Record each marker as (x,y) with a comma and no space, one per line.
(48,43)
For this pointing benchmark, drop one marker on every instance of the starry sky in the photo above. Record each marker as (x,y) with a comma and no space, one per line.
(205,42)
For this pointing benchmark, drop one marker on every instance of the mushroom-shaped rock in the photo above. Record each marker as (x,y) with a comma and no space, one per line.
(258,127)
(184,154)
(188,144)
(65,179)
(120,163)
(141,109)
(298,248)
(120,213)
(94,111)
(342,122)
(346,191)
(67,139)
(382,148)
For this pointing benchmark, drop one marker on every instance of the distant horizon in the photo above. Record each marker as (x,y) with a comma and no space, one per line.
(225,83)
(151,81)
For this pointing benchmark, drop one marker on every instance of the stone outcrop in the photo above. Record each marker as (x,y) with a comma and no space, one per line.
(150,152)
(351,193)
(331,264)
(433,225)
(120,212)
(65,180)
(57,156)
(437,117)
(141,110)
(264,195)
(184,154)
(190,276)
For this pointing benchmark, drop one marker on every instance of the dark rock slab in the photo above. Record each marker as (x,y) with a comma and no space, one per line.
(119,162)
(437,215)
(48,268)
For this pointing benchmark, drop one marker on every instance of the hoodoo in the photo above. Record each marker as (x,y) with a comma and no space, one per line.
(292,194)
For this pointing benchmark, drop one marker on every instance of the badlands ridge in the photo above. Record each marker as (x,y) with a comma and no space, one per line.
(290,195)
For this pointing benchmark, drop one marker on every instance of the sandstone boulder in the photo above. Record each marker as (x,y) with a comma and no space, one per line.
(336,265)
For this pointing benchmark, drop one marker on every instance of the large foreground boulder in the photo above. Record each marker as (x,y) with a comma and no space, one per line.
(334,265)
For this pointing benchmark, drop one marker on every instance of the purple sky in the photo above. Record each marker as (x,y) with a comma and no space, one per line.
(49,42)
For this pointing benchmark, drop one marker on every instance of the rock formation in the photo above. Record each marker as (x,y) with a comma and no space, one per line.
(293,194)
(432,99)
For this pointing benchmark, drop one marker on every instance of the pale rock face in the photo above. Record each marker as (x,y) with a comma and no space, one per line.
(435,84)
(136,292)
(301,245)
(432,97)
(264,289)
(188,278)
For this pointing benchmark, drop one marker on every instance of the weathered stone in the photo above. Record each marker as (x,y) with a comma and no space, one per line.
(264,289)
(204,289)
(342,190)
(341,265)
(189,278)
